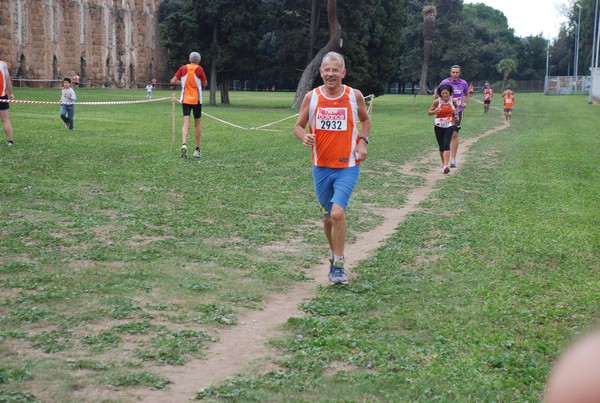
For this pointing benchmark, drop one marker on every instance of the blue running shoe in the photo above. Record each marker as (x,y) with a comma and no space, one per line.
(337,275)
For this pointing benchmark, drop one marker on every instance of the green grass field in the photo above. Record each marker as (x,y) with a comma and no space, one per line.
(117,255)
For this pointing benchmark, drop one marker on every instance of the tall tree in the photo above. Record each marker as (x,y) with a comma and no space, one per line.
(313,29)
(491,39)
(562,49)
(561,53)
(372,44)
(429,13)
(225,32)
(335,42)
(532,58)
(451,42)
(370,47)
(506,67)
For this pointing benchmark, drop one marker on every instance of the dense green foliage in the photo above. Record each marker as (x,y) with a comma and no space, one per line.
(270,42)
(562,50)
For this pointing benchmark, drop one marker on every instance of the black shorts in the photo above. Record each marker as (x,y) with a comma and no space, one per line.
(187,109)
(443,135)
(487,102)
(4,105)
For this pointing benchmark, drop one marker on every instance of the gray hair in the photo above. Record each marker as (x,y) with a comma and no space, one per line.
(195,57)
(336,56)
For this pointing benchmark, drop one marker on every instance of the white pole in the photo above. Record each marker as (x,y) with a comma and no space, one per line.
(547,59)
(577,45)
(597,38)
(593,53)
(594,44)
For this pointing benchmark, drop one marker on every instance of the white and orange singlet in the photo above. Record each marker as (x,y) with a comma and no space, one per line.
(445,117)
(191,76)
(3,78)
(334,124)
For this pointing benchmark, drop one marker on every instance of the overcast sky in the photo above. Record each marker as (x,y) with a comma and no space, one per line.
(530,17)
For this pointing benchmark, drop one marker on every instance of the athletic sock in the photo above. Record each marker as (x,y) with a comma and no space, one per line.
(338,261)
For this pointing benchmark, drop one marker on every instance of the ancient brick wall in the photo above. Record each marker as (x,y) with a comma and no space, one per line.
(111,42)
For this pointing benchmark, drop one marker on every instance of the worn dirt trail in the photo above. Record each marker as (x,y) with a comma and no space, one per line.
(243,347)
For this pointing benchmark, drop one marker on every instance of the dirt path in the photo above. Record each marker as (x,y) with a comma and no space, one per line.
(243,347)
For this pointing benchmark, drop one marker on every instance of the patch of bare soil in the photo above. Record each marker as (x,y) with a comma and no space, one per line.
(243,348)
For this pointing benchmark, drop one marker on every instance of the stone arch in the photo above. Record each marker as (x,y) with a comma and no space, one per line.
(82,66)
(121,73)
(22,70)
(151,72)
(55,72)
(108,72)
(132,75)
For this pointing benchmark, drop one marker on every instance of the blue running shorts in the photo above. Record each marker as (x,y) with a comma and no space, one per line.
(334,185)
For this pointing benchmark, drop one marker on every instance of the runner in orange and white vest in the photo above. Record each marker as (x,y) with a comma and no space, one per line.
(338,134)
(192,78)
(445,107)
(487,97)
(462,96)
(509,102)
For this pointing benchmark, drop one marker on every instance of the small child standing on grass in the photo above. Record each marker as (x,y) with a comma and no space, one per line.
(149,89)
(67,99)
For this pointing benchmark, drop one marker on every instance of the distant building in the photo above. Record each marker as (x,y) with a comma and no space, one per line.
(111,42)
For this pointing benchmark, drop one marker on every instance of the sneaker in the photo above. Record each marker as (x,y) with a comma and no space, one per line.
(337,275)
(184,151)
(452,162)
(10,143)
(446,170)
(67,126)
(197,154)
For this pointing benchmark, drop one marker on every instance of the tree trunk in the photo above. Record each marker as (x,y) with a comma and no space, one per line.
(429,14)
(225,92)
(312,70)
(213,69)
(314,28)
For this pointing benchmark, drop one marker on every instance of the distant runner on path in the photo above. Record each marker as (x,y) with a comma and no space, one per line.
(487,97)
(509,102)
(446,110)
(462,96)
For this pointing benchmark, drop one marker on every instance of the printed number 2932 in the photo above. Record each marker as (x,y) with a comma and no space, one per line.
(331,125)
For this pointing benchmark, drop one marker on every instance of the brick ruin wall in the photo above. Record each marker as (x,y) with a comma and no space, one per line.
(110,42)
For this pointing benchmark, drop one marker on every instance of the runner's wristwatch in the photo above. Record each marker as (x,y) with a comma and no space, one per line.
(365,138)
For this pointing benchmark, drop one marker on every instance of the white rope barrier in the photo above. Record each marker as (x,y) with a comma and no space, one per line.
(19,101)
(223,121)
(38,80)
(278,121)
(259,128)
